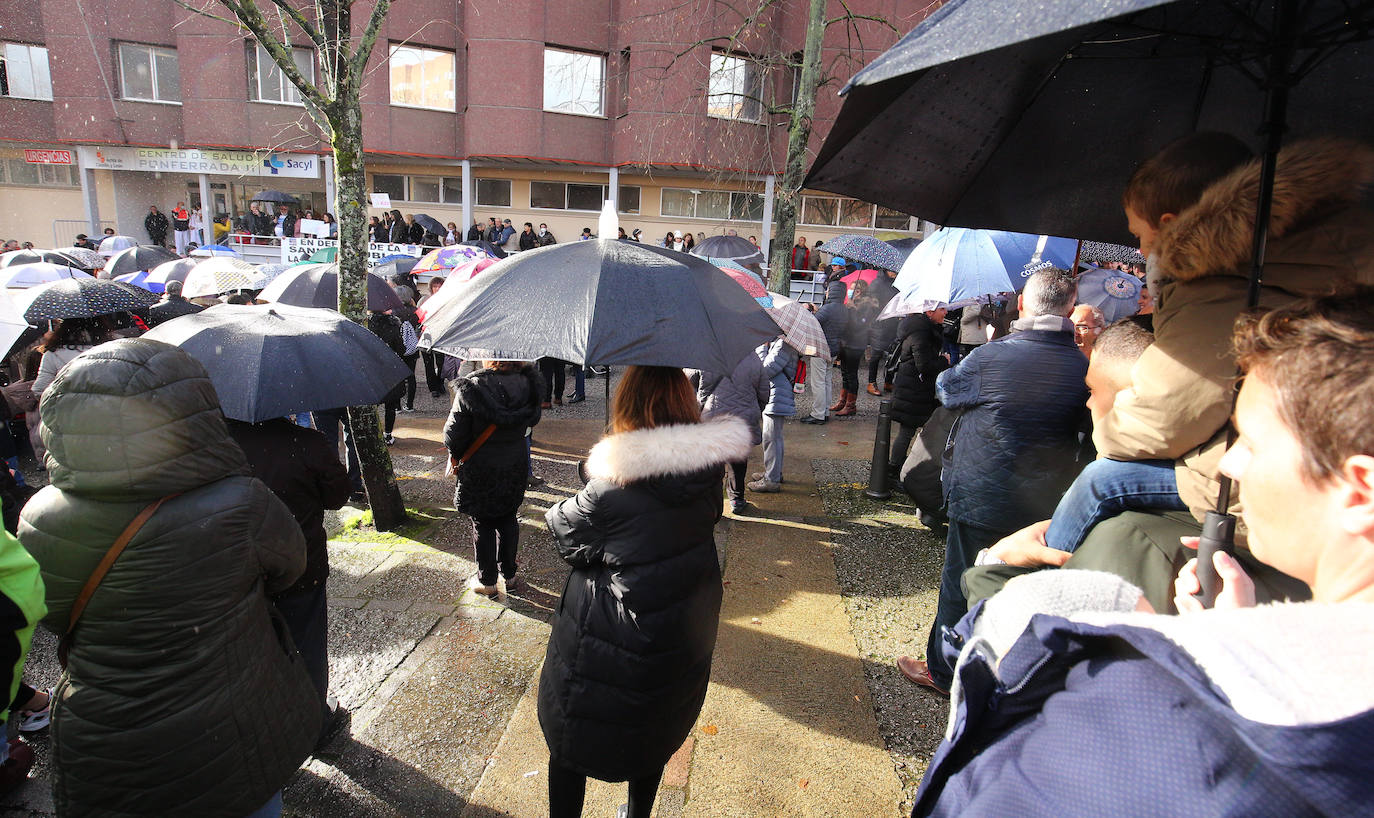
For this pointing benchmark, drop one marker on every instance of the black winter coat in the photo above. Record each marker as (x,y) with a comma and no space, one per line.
(1016,444)
(883,333)
(919,361)
(859,315)
(415,234)
(388,328)
(528,240)
(174,307)
(629,658)
(156,225)
(400,233)
(476,233)
(832,316)
(492,482)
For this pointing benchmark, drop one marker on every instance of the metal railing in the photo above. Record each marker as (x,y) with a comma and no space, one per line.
(64,230)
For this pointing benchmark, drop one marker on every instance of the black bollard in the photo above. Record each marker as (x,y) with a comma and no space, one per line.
(877,475)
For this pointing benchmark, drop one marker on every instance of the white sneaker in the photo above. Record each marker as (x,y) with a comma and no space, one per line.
(763,486)
(31,721)
(485,590)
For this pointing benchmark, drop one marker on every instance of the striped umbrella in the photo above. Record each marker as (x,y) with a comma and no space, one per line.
(219,275)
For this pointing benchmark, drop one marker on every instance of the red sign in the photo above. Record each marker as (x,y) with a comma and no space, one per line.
(48,157)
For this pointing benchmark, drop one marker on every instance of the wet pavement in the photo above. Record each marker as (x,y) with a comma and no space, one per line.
(805,716)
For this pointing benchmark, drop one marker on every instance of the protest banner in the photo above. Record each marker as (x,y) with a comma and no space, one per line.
(300,249)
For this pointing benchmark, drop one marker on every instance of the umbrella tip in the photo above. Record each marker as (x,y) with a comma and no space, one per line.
(608,223)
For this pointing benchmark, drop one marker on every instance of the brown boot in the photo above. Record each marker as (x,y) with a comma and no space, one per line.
(873,389)
(839,404)
(849,408)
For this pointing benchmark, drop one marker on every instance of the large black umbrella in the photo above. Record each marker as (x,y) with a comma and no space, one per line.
(82,298)
(276,197)
(903,248)
(733,248)
(15,257)
(430,224)
(137,259)
(603,302)
(317,285)
(487,247)
(267,362)
(1004,115)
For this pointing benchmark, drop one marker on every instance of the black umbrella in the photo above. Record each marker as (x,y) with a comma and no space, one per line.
(487,247)
(83,298)
(14,257)
(990,115)
(734,248)
(137,259)
(277,197)
(317,285)
(430,224)
(267,362)
(603,302)
(903,248)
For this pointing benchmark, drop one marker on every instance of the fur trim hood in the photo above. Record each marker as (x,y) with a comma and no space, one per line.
(670,450)
(1314,179)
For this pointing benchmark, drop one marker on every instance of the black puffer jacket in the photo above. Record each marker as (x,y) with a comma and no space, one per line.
(1016,445)
(629,658)
(832,316)
(492,482)
(884,332)
(919,361)
(859,315)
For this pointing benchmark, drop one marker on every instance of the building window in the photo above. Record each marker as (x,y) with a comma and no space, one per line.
(574,82)
(423,78)
(59,175)
(493,192)
(393,186)
(423,189)
(832,211)
(891,220)
(148,73)
(24,72)
(623,81)
(629,199)
(712,204)
(572,196)
(267,83)
(734,89)
(21,172)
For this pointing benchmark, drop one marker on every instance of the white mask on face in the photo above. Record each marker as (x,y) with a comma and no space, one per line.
(543,231)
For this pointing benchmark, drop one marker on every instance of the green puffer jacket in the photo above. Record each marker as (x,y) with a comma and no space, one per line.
(182,695)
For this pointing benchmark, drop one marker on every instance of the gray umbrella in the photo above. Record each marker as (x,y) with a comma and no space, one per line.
(603,302)
(83,298)
(317,285)
(267,362)
(734,248)
(14,257)
(430,224)
(138,259)
(864,250)
(277,197)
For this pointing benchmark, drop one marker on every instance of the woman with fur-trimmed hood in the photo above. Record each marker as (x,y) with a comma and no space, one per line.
(629,658)
(1179,404)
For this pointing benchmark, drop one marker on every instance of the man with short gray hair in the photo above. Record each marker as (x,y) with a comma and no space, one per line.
(173,305)
(1016,443)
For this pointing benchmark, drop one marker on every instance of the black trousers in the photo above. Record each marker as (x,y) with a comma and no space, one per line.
(307,617)
(567,790)
(850,360)
(735,478)
(434,364)
(495,541)
(555,378)
(410,379)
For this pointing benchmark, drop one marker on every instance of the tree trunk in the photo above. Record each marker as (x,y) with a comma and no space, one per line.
(798,136)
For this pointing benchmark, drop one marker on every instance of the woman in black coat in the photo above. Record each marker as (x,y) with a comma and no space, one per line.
(859,315)
(492,411)
(629,657)
(919,360)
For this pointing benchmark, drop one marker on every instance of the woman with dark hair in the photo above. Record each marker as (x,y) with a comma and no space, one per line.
(388,327)
(859,315)
(629,657)
(488,454)
(400,229)
(72,337)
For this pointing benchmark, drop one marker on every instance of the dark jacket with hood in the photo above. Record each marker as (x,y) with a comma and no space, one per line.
(492,482)
(859,316)
(629,658)
(883,333)
(174,306)
(918,363)
(832,316)
(182,694)
(156,225)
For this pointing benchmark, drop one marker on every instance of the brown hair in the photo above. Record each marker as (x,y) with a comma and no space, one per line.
(503,366)
(1173,180)
(650,396)
(1318,354)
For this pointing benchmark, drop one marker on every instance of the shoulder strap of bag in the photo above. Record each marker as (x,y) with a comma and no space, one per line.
(477,444)
(93,582)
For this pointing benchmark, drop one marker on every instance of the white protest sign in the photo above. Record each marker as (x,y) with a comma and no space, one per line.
(382,200)
(301,249)
(315,227)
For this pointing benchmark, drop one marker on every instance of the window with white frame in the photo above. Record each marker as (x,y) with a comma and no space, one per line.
(267,83)
(574,196)
(734,89)
(888,219)
(148,73)
(493,192)
(426,189)
(423,78)
(393,185)
(24,72)
(833,211)
(20,172)
(711,204)
(574,82)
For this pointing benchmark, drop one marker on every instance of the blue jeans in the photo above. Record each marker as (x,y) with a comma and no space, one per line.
(307,617)
(1105,489)
(962,545)
(272,809)
(580,382)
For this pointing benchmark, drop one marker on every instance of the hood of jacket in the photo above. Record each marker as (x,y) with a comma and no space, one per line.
(1315,179)
(135,419)
(667,455)
(503,398)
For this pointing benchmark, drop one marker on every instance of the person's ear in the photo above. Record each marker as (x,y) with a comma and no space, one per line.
(1020,302)
(1356,485)
(1165,218)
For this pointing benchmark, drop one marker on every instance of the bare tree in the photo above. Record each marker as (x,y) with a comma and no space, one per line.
(334,103)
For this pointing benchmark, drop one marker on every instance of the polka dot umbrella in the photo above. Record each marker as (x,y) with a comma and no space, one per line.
(221,274)
(82,298)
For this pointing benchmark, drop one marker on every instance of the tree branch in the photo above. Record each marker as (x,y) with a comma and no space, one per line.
(357,61)
(299,19)
(204,13)
(251,18)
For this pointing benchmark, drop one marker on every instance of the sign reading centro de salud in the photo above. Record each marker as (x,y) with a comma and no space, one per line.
(196,160)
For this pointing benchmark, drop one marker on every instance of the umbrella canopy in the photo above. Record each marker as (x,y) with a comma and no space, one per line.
(324,255)
(63,258)
(486,247)
(388,269)
(800,329)
(135,259)
(866,276)
(317,285)
(430,224)
(453,284)
(140,279)
(962,264)
(83,298)
(171,271)
(276,197)
(1115,293)
(1102,252)
(216,276)
(215,250)
(734,248)
(446,258)
(12,322)
(751,285)
(88,259)
(268,272)
(987,115)
(863,249)
(903,247)
(21,276)
(603,302)
(113,244)
(267,362)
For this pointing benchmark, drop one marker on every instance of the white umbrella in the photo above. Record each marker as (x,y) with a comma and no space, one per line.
(113,244)
(210,250)
(12,323)
(171,271)
(218,275)
(22,276)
